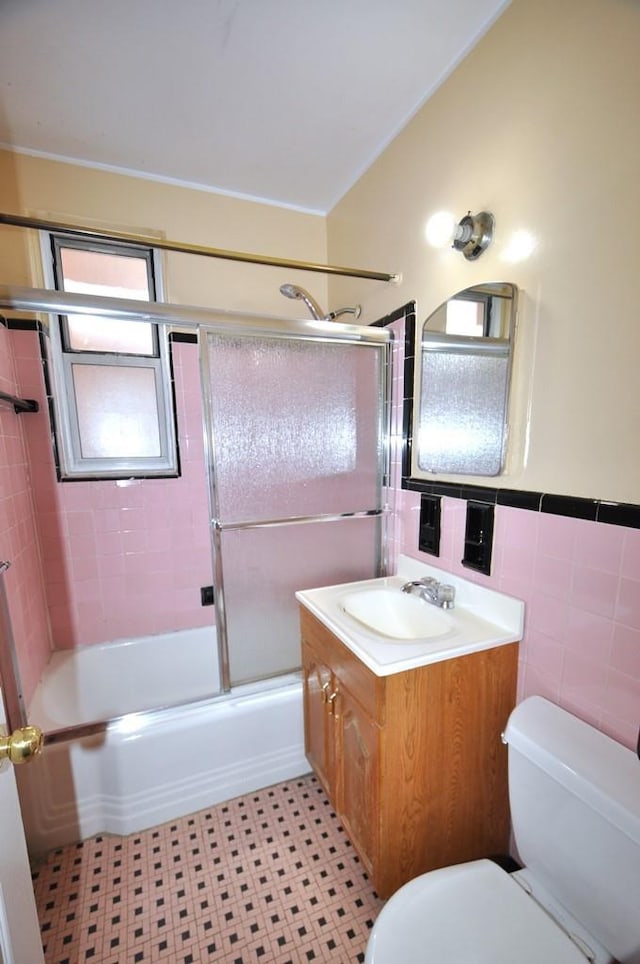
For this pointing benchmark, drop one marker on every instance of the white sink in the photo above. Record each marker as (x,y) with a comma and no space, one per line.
(396,614)
(391,631)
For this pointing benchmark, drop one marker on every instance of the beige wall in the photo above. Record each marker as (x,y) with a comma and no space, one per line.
(53,190)
(540,126)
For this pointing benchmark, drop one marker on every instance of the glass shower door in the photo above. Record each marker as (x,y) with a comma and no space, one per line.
(296,452)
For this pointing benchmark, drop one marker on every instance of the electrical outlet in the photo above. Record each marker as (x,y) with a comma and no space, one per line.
(206,596)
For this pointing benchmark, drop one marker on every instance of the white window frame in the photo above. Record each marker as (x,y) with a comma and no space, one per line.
(72,465)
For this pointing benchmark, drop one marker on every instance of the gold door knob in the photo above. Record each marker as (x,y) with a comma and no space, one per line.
(22,745)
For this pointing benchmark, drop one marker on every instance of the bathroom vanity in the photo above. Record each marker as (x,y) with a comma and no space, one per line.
(410,752)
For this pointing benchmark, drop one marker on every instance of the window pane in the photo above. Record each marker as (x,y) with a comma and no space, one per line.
(126,274)
(108,275)
(91,333)
(117,411)
(465,317)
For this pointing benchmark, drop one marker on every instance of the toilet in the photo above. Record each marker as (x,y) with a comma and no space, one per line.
(575,808)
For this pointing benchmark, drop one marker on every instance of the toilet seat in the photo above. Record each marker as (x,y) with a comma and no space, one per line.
(468,912)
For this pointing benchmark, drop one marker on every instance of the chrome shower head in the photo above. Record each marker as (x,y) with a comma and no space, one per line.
(293,291)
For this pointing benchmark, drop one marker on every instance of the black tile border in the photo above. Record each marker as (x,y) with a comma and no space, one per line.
(595,510)
(568,506)
(397,315)
(619,514)
(409,311)
(406,313)
(22,324)
(520,499)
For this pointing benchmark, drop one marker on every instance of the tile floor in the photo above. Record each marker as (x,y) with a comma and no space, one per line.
(267,877)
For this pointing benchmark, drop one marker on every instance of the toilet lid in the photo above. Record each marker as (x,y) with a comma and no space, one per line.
(472,912)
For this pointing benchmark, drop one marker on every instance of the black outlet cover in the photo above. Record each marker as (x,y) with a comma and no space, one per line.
(206,596)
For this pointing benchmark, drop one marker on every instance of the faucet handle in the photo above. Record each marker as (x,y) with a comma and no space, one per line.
(446,595)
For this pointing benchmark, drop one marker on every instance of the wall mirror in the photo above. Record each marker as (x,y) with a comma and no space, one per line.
(461,393)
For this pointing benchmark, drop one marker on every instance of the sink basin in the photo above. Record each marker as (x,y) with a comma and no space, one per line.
(396,615)
(392,631)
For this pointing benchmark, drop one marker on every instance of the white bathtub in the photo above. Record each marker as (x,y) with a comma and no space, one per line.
(147,768)
(107,680)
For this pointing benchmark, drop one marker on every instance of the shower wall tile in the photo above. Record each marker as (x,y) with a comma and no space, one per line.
(600,547)
(556,535)
(550,575)
(548,615)
(122,558)
(628,602)
(19,543)
(625,647)
(594,590)
(543,653)
(580,581)
(630,564)
(591,634)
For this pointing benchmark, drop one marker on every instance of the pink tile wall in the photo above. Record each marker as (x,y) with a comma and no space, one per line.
(24,582)
(124,558)
(580,581)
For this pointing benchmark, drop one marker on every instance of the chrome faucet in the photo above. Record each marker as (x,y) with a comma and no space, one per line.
(434,592)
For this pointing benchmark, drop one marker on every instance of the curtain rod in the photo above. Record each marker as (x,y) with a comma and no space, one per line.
(19,404)
(164,244)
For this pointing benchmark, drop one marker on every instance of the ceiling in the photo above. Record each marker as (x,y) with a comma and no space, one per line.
(286,101)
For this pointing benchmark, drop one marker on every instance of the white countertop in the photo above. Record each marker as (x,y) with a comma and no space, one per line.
(481,619)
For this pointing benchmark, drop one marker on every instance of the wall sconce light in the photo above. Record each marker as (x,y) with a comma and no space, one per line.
(471,235)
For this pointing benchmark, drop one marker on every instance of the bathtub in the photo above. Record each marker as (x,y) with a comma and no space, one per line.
(149,767)
(108,680)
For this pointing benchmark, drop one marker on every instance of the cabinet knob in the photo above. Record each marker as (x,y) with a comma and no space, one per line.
(331,700)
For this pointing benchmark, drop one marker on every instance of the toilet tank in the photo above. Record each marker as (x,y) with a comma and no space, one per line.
(575,808)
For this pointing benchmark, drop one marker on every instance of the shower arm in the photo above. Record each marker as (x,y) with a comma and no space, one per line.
(356,311)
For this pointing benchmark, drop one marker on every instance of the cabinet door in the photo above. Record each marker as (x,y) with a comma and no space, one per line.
(357,778)
(319,737)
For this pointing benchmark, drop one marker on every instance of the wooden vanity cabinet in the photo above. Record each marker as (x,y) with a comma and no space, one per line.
(412,763)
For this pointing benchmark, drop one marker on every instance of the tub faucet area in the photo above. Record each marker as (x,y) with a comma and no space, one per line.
(437,593)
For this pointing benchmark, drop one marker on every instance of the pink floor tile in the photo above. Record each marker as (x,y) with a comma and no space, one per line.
(267,877)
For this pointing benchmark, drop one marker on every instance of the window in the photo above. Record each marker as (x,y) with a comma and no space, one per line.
(469,313)
(113,399)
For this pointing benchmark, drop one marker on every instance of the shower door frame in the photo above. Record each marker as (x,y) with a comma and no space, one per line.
(197,320)
(293,331)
